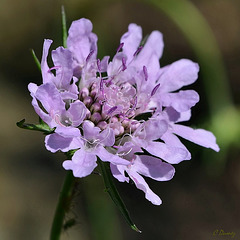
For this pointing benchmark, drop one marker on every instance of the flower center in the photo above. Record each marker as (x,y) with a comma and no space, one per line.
(111,105)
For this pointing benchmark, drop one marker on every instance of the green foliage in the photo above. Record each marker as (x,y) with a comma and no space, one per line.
(113,192)
(36,60)
(42,126)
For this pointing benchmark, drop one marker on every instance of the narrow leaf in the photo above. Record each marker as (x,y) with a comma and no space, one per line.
(36,60)
(64,27)
(42,127)
(112,191)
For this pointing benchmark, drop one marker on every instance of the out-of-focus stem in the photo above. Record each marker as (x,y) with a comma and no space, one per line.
(62,208)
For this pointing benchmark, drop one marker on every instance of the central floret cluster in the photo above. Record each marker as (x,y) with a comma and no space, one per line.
(111,106)
(125,111)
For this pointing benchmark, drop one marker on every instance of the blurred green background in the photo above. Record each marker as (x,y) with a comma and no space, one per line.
(203,196)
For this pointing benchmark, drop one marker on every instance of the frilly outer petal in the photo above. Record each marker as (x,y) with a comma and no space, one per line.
(181,101)
(153,168)
(170,154)
(199,136)
(180,73)
(142,185)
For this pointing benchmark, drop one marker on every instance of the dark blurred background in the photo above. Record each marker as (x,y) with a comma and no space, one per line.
(201,198)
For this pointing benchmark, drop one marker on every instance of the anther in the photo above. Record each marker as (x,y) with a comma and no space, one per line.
(145,73)
(101,85)
(138,51)
(99,65)
(89,55)
(120,47)
(111,110)
(124,67)
(155,89)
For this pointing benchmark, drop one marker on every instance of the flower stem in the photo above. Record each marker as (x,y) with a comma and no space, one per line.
(63,205)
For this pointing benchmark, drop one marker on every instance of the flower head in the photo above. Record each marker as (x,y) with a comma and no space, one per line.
(125,111)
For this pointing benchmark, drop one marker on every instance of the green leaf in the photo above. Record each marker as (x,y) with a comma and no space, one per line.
(42,126)
(112,191)
(36,60)
(64,27)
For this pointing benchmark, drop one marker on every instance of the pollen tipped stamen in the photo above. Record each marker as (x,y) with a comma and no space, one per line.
(155,89)
(111,110)
(89,55)
(120,47)
(101,85)
(109,81)
(145,72)
(124,67)
(138,51)
(99,66)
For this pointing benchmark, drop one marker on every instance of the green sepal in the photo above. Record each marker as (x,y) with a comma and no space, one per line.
(64,27)
(36,60)
(113,192)
(70,153)
(42,126)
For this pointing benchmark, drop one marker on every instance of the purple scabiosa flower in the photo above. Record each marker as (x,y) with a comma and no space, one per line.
(125,111)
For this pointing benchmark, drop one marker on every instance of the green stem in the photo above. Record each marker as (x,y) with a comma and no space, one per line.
(63,205)
(64,27)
